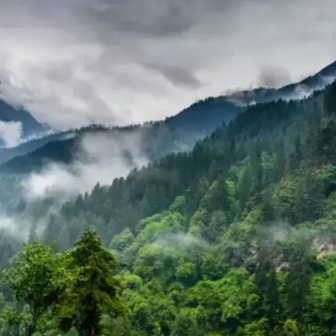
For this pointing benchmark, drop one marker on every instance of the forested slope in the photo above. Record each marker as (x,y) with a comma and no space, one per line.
(286,135)
(177,133)
(236,237)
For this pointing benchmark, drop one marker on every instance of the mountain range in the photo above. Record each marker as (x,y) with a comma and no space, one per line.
(175,133)
(236,236)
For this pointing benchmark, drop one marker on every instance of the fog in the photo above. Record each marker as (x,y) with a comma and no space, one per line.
(181,238)
(100,158)
(10,133)
(14,226)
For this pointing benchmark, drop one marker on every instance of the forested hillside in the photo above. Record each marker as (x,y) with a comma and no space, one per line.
(177,133)
(236,237)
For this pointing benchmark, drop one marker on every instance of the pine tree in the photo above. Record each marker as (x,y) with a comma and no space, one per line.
(298,279)
(219,197)
(64,238)
(280,160)
(244,187)
(96,290)
(266,282)
(326,142)
(51,231)
(330,99)
(257,171)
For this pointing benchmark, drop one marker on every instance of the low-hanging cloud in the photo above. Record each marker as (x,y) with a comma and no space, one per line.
(181,239)
(302,91)
(273,77)
(14,226)
(100,158)
(10,133)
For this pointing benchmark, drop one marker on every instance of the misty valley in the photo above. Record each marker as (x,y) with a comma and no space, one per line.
(218,221)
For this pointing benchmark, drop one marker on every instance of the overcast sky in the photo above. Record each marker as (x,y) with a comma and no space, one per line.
(75,62)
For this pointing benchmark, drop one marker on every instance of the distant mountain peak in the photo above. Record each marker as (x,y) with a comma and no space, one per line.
(329,70)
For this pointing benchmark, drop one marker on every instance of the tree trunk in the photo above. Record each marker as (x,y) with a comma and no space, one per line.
(30,330)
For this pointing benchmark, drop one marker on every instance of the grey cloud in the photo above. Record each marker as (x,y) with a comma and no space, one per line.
(273,77)
(16,227)
(72,62)
(148,17)
(163,18)
(10,133)
(176,75)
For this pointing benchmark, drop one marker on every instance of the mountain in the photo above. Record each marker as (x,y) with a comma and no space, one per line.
(30,125)
(24,148)
(328,71)
(235,237)
(176,133)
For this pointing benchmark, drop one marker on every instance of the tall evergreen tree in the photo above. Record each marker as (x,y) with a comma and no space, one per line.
(298,279)
(330,99)
(244,187)
(95,291)
(266,282)
(52,230)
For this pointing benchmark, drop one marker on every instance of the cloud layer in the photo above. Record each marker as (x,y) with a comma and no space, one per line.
(74,62)
(100,158)
(10,133)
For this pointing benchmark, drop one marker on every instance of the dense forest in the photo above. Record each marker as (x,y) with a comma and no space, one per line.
(235,238)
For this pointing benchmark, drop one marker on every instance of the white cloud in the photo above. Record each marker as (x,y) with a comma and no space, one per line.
(14,226)
(10,133)
(100,158)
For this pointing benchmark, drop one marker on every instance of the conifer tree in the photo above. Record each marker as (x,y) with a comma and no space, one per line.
(95,290)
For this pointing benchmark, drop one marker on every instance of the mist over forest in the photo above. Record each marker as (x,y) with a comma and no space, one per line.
(167,168)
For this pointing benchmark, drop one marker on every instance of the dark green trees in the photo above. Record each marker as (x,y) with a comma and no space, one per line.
(76,288)
(298,278)
(212,238)
(267,284)
(95,289)
(330,99)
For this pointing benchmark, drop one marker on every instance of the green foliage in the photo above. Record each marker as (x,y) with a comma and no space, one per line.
(95,289)
(236,237)
(267,284)
(257,328)
(122,241)
(330,100)
(290,328)
(185,323)
(38,280)
(10,320)
(186,274)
